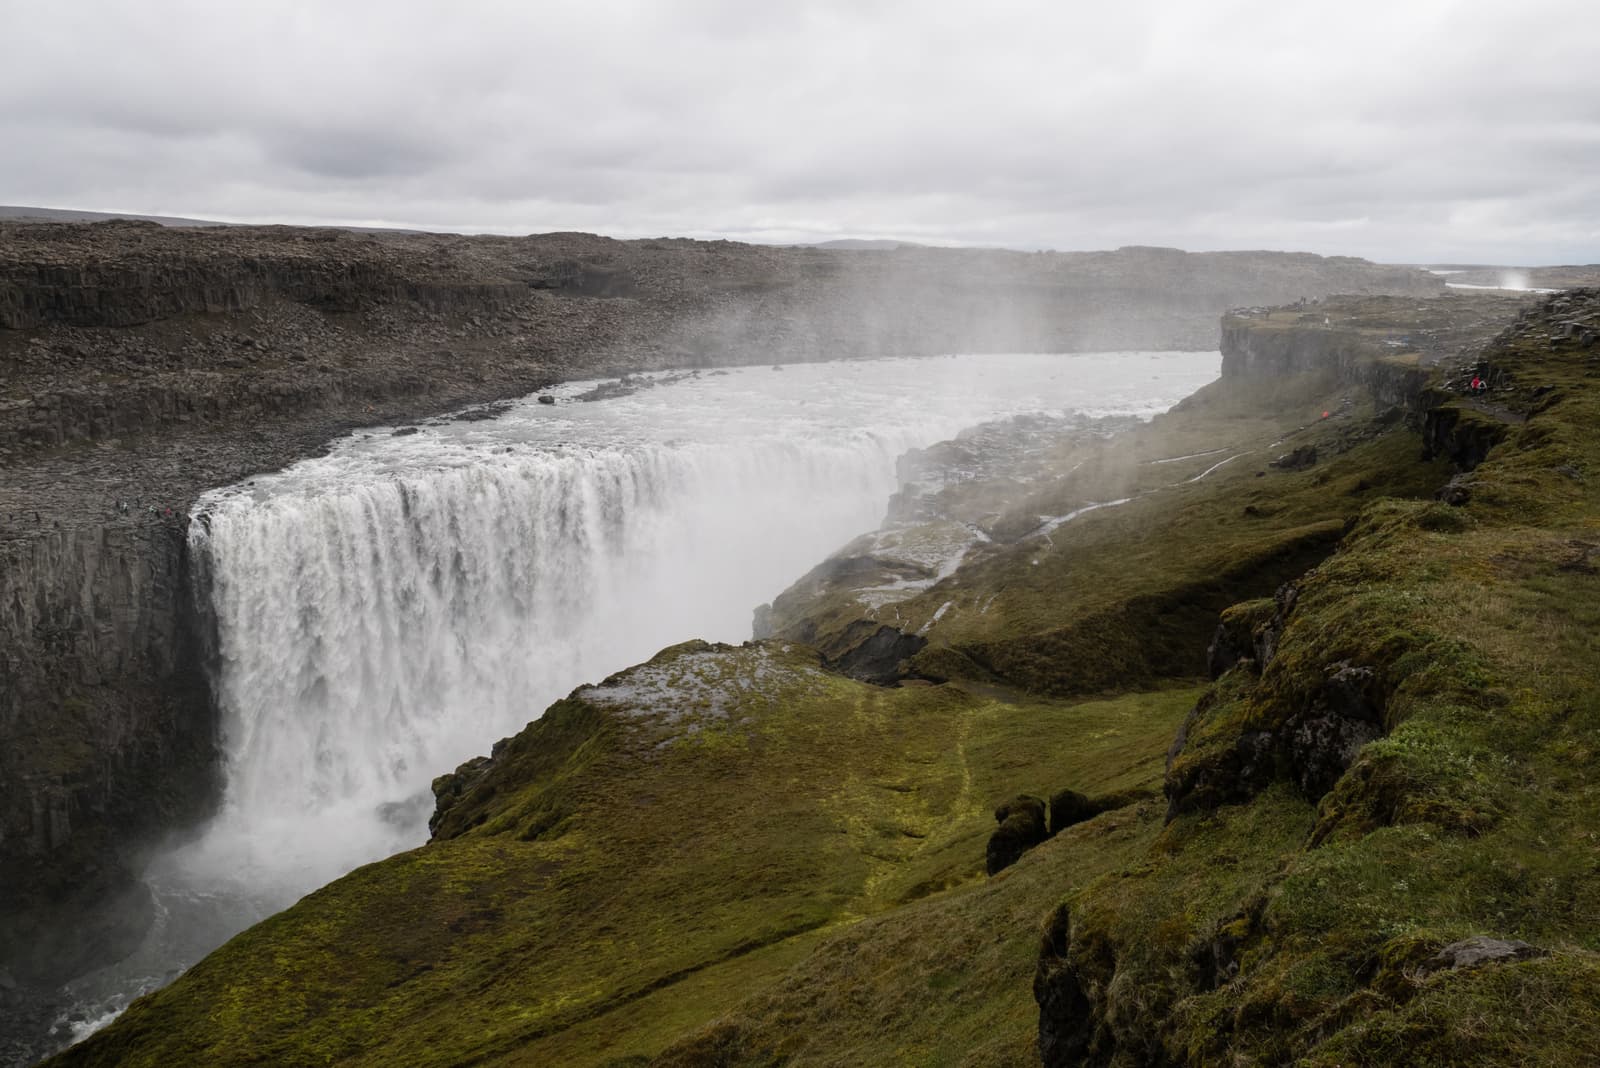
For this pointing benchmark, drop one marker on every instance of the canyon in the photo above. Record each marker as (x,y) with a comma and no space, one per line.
(1301,670)
(149,365)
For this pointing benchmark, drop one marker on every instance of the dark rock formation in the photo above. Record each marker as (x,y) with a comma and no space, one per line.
(1244,632)
(1022,826)
(1477,951)
(1073,984)
(1312,746)
(451,788)
(106,727)
(1235,773)
(1323,741)
(1066,1016)
(1069,807)
(1298,460)
(880,656)
(1462,435)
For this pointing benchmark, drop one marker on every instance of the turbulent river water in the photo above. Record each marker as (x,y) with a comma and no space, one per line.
(396,606)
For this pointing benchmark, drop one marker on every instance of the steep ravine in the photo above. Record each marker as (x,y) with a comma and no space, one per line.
(826,902)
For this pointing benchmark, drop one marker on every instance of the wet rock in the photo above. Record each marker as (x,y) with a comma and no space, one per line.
(1022,826)
(545,398)
(878,658)
(1301,458)
(1477,951)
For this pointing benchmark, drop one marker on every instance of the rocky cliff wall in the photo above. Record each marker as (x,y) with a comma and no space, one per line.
(1392,347)
(33,295)
(105,707)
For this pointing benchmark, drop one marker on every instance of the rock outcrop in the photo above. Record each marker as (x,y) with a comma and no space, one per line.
(1022,826)
(1478,951)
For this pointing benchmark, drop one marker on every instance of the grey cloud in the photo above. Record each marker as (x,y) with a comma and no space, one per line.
(1461,130)
(356,153)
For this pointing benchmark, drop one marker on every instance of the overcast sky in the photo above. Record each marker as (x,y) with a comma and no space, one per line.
(1407,130)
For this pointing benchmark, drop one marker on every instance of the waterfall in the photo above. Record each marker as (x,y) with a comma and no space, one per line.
(393,607)
(374,636)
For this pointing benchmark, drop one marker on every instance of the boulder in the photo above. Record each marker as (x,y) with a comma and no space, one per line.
(1457,491)
(1298,460)
(1022,826)
(1069,807)
(1477,951)
(451,788)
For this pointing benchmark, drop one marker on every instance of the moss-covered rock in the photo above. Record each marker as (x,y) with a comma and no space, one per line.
(1023,825)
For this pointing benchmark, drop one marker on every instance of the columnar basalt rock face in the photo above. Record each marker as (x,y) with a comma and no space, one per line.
(106,718)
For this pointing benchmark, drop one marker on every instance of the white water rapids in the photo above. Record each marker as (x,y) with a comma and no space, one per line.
(394,607)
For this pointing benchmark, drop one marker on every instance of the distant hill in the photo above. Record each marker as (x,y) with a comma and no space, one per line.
(864,244)
(25,214)
(20,213)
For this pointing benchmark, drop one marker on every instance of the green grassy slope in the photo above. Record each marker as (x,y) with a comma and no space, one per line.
(702,821)
(1470,634)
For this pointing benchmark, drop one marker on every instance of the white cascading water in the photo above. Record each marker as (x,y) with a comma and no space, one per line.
(394,607)
(373,637)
